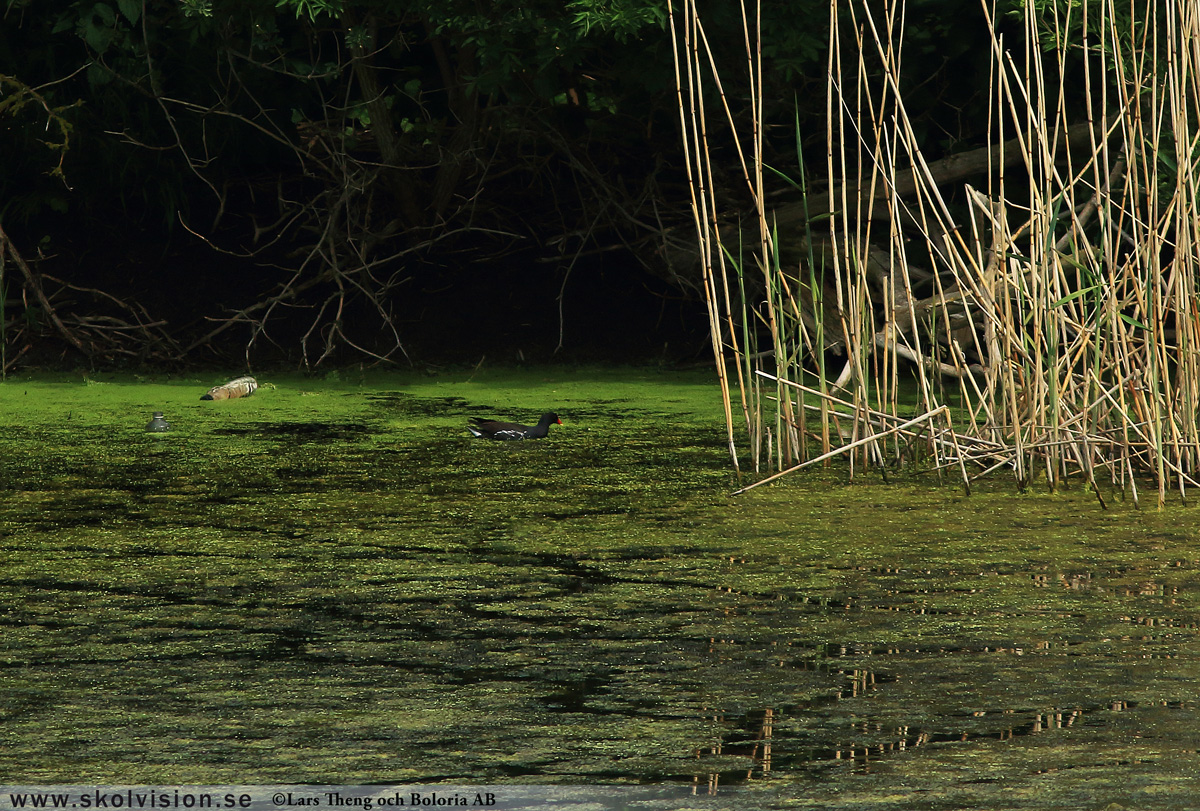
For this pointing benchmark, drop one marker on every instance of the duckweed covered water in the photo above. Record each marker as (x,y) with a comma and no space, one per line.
(331,582)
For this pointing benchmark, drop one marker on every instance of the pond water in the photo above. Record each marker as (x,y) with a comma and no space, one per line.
(331,582)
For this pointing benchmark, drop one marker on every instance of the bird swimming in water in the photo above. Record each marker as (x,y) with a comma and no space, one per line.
(494,429)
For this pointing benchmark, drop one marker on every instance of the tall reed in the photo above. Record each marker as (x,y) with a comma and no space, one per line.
(1054,306)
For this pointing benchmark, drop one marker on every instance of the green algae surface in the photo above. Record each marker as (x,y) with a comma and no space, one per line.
(332,582)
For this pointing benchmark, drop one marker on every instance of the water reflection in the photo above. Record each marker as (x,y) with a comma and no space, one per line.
(940,676)
(765,738)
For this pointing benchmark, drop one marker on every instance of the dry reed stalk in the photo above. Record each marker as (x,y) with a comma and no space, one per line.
(879,419)
(699,173)
(941,411)
(1066,327)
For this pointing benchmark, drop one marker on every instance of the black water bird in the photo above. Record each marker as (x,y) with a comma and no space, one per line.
(493,429)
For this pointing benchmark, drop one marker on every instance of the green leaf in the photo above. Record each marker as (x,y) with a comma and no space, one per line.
(1073,296)
(197,8)
(96,36)
(786,178)
(98,76)
(1129,319)
(130,10)
(312,9)
(105,13)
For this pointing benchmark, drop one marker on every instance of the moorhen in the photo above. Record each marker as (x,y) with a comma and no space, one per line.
(493,429)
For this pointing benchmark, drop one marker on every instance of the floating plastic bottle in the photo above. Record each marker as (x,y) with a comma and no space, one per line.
(158,425)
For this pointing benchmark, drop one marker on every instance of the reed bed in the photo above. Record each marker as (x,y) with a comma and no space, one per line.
(1036,313)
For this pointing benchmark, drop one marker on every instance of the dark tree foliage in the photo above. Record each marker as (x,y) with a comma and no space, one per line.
(308,178)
